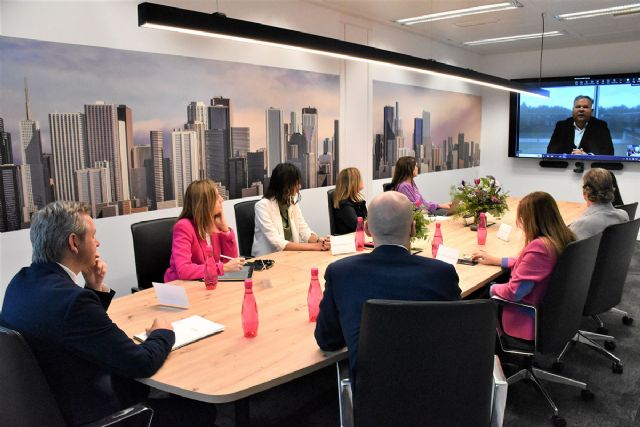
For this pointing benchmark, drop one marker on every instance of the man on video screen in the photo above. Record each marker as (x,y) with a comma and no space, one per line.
(581,134)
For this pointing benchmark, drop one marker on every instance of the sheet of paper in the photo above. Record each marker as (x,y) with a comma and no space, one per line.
(172,295)
(345,244)
(189,330)
(440,218)
(504,231)
(448,254)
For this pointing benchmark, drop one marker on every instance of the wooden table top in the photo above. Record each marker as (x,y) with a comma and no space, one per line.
(227,367)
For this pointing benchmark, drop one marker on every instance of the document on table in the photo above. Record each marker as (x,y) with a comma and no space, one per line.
(189,330)
(344,244)
(448,254)
(171,295)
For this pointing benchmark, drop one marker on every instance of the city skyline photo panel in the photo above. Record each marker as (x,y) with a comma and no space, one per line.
(126,131)
(441,129)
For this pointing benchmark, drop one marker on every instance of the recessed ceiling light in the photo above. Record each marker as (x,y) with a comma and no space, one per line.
(460,12)
(513,38)
(615,10)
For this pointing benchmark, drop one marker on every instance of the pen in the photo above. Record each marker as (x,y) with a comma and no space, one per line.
(225,257)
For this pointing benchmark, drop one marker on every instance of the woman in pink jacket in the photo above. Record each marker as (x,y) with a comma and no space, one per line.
(546,236)
(201,223)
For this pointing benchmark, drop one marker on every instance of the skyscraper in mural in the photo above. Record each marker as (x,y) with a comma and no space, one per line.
(427,144)
(198,121)
(157,154)
(103,140)
(70,153)
(275,152)
(32,171)
(185,165)
(10,203)
(94,186)
(125,133)
(309,153)
(220,120)
(6,155)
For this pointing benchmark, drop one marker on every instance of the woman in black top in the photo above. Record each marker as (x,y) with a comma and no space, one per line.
(348,203)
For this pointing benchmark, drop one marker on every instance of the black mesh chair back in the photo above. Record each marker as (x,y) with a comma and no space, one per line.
(612,264)
(332,220)
(245,225)
(387,187)
(28,399)
(560,312)
(629,208)
(152,249)
(425,363)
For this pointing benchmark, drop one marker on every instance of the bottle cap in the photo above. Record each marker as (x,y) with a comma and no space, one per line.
(314,271)
(248,283)
(482,214)
(437,225)
(360,219)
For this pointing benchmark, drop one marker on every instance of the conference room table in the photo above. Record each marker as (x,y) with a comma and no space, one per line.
(228,367)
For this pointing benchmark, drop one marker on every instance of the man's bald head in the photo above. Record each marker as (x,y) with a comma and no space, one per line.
(390,219)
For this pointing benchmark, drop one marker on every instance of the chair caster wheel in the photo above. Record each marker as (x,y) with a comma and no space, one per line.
(610,345)
(616,368)
(587,395)
(557,367)
(603,330)
(558,421)
(627,320)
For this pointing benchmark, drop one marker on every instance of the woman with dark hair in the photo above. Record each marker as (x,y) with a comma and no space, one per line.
(200,224)
(599,192)
(348,203)
(546,236)
(405,170)
(279,224)
(617,197)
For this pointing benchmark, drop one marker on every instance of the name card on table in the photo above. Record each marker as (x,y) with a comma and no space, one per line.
(171,295)
(447,254)
(345,244)
(504,231)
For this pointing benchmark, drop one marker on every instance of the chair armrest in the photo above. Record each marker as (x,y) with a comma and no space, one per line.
(508,302)
(140,410)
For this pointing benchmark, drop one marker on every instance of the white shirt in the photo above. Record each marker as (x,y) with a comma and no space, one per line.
(268,235)
(72,275)
(578,134)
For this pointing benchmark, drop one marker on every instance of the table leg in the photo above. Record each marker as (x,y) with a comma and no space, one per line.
(241,408)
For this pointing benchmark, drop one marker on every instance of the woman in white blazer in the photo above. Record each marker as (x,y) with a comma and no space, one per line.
(279,224)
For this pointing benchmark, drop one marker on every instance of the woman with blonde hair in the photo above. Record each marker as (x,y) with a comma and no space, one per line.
(200,224)
(348,203)
(546,237)
(405,170)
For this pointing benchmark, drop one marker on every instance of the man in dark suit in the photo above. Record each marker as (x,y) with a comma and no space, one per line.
(88,361)
(581,134)
(389,272)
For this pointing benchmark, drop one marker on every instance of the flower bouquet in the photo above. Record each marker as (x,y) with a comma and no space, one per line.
(482,195)
(422,222)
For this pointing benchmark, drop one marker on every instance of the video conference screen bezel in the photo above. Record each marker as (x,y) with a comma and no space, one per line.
(567,81)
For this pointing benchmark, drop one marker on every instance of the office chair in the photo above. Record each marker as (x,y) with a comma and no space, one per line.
(387,187)
(629,208)
(557,319)
(605,289)
(332,220)
(245,225)
(152,250)
(411,356)
(29,401)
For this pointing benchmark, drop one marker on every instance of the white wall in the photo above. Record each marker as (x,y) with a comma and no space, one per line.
(114,24)
(522,176)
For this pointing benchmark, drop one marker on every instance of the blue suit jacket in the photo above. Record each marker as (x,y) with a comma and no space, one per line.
(389,272)
(75,342)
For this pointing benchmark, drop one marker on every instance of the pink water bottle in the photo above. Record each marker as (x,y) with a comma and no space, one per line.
(482,229)
(210,270)
(249,311)
(360,235)
(314,296)
(437,240)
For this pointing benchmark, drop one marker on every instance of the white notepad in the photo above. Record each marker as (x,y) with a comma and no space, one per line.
(189,330)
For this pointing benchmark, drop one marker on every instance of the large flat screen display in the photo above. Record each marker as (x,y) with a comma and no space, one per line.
(603,127)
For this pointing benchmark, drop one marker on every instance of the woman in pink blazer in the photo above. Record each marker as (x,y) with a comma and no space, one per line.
(546,236)
(201,223)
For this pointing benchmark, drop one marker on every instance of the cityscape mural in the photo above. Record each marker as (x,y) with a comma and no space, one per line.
(440,129)
(126,132)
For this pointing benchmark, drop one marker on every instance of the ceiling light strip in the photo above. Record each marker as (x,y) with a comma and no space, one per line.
(513,38)
(635,7)
(496,7)
(219,26)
